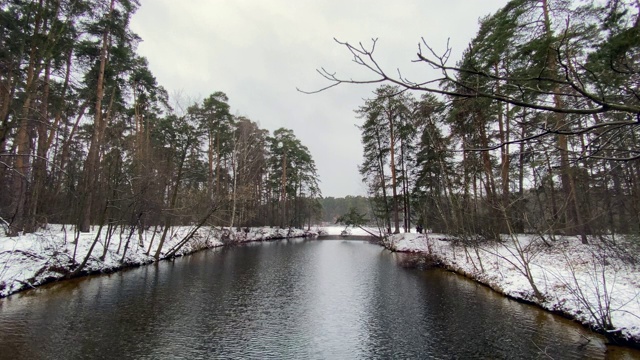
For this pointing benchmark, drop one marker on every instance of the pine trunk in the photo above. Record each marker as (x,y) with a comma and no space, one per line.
(396,217)
(93,159)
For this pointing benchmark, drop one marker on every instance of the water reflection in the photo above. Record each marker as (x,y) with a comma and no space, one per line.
(285,299)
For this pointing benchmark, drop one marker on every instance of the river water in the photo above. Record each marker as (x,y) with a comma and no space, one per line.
(290,299)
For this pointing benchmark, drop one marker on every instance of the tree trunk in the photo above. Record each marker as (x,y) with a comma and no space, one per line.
(40,162)
(218,165)
(405,189)
(283,191)
(22,168)
(521,203)
(503,127)
(383,183)
(172,203)
(210,163)
(91,163)
(575,222)
(396,218)
(234,158)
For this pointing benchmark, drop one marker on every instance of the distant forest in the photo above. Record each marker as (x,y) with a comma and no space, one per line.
(333,207)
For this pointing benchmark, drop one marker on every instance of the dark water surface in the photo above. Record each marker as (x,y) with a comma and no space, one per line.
(293,299)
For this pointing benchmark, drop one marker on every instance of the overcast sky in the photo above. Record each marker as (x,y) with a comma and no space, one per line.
(259,51)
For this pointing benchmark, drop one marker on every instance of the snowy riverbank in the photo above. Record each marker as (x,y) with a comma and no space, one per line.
(51,254)
(588,283)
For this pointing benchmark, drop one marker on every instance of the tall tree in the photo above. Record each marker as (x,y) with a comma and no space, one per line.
(247,166)
(112,36)
(433,168)
(217,122)
(292,175)
(385,131)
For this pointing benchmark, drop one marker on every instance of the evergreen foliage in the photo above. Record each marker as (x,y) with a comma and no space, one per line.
(87,135)
(535,129)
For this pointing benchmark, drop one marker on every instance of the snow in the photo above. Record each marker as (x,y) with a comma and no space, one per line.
(585,282)
(351,231)
(33,259)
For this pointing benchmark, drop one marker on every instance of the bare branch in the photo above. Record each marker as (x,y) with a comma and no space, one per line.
(364,56)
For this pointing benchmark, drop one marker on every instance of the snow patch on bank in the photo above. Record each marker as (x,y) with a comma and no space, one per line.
(30,260)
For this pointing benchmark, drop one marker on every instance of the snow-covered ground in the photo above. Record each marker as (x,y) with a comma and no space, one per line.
(33,259)
(338,230)
(590,283)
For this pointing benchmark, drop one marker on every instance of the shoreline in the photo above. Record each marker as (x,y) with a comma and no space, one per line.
(431,252)
(437,260)
(612,339)
(33,268)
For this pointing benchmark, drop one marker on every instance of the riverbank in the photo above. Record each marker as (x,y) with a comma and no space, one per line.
(52,254)
(588,283)
(596,285)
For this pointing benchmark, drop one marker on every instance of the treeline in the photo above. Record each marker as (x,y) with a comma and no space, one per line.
(535,129)
(88,136)
(333,208)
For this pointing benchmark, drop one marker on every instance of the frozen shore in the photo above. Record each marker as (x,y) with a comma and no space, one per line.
(588,283)
(52,254)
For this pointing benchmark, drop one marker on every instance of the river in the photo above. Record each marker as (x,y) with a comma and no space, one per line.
(290,299)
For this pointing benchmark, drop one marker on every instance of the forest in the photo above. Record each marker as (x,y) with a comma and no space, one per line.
(88,136)
(333,208)
(535,130)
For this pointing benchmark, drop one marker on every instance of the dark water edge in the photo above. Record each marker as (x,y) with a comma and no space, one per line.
(68,274)
(428,262)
